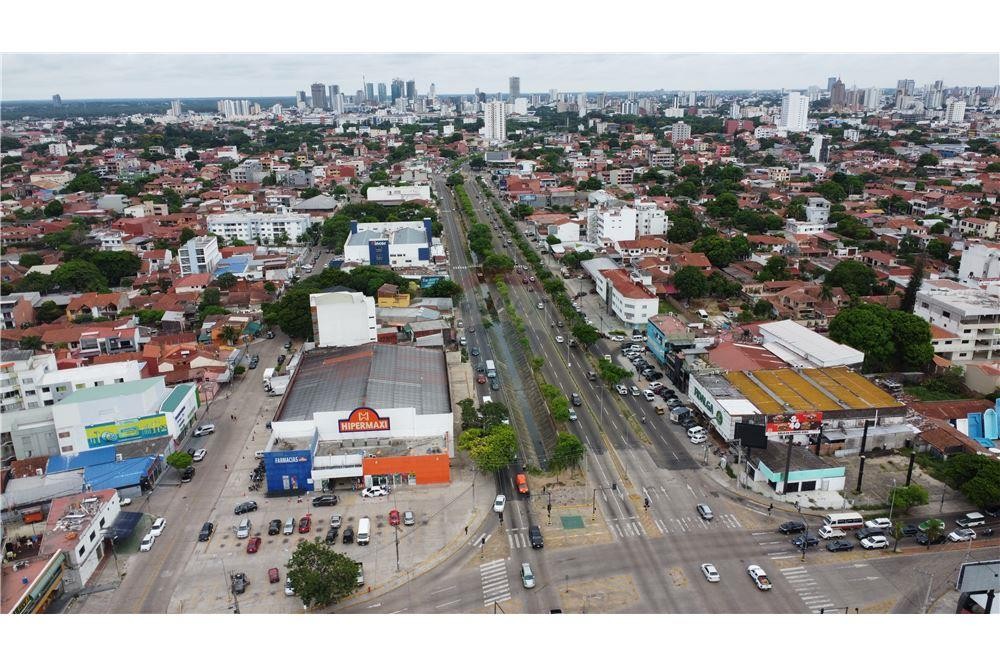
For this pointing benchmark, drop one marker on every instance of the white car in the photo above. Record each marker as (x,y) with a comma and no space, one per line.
(962,535)
(698,438)
(147,542)
(759,577)
(710,572)
(204,429)
(653,386)
(374,491)
(875,542)
(125,502)
(621,389)
(288,587)
(559,339)
(882,523)
(541,306)
(157,528)
(618,339)
(572,415)
(635,390)
(199,455)
(499,503)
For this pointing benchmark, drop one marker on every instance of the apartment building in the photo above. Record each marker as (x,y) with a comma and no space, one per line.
(613,221)
(650,219)
(980,262)
(971,315)
(626,297)
(29,380)
(268,227)
(199,255)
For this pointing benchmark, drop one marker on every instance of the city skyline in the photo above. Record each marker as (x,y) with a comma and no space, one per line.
(138,76)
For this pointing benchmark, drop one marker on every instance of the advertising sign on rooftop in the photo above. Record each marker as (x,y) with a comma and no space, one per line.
(129,430)
(796,422)
(363,420)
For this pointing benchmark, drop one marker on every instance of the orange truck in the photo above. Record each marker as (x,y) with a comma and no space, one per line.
(522,483)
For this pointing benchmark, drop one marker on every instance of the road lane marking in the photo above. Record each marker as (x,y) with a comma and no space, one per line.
(398,611)
(793,569)
(782,557)
(766,532)
(446,604)
(443,590)
(373,606)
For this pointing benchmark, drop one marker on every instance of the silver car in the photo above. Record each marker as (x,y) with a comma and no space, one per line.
(527,576)
(408,518)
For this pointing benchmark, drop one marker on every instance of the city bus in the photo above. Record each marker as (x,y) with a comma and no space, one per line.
(491,369)
(844,520)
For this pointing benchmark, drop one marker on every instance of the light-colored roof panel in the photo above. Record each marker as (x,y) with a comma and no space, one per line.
(117,390)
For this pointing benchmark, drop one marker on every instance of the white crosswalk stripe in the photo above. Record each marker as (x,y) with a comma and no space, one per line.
(496,583)
(807,588)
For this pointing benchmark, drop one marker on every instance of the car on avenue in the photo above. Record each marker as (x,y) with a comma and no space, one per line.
(839,545)
(790,527)
(705,511)
(147,542)
(805,541)
(759,577)
(499,503)
(710,572)
(480,378)
(962,535)
(535,536)
(559,339)
(495,384)
(576,399)
(204,429)
(157,528)
(474,351)
(199,455)
(527,576)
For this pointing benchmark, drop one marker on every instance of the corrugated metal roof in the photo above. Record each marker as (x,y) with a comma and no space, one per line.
(117,390)
(176,396)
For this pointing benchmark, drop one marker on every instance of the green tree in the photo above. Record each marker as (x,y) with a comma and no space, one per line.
(490,451)
(855,278)
(691,283)
(683,230)
(116,264)
(897,534)
(79,276)
(903,498)
(455,179)
(49,311)
(796,210)
(939,250)
(30,259)
(226,281)
(470,416)
(612,373)
(85,181)
(911,336)
(940,227)
(229,334)
(913,286)
(31,342)
(567,453)
(211,297)
(443,289)
(866,327)
(494,264)
(321,576)
(718,250)
(776,268)
(935,529)
(552,239)
(493,414)
(186,235)
(179,460)
(927,160)
(585,334)
(724,206)
(53,209)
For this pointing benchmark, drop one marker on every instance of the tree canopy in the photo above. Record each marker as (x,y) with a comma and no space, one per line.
(855,278)
(321,576)
(691,283)
(491,450)
(567,453)
(891,340)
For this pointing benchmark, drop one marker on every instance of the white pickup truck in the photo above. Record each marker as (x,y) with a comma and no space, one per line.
(759,577)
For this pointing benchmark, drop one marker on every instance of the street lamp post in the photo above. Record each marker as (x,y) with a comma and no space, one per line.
(114,555)
(397,547)
(805,534)
(892,499)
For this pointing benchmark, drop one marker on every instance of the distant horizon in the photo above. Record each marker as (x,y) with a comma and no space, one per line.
(36,77)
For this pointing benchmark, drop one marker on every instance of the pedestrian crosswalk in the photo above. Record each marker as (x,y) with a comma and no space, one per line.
(518,538)
(627,527)
(694,523)
(807,588)
(496,584)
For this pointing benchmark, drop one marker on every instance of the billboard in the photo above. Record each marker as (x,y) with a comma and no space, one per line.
(795,422)
(428,281)
(750,435)
(378,252)
(362,420)
(128,430)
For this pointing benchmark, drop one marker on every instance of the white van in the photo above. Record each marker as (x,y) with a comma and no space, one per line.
(289,526)
(696,430)
(364,530)
(703,314)
(243,530)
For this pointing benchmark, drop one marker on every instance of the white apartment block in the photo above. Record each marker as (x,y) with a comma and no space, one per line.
(661,158)
(58,150)
(980,262)
(626,297)
(199,255)
(972,315)
(680,131)
(804,227)
(615,222)
(794,112)
(650,219)
(29,380)
(268,227)
(495,121)
(817,210)
(954,112)
(343,318)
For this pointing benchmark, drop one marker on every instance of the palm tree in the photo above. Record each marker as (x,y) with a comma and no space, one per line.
(229,334)
(826,293)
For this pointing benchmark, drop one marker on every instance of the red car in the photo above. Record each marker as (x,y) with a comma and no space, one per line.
(273,575)
(394,518)
(305,523)
(253,544)
(524,281)
(481,379)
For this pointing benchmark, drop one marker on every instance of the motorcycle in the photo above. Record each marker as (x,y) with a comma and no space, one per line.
(988,532)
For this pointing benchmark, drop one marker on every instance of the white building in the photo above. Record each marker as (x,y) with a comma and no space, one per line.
(980,262)
(268,227)
(29,380)
(406,243)
(852,135)
(873,99)
(817,210)
(650,219)
(626,297)
(123,412)
(972,315)
(680,131)
(804,227)
(199,255)
(495,121)
(801,347)
(794,112)
(389,195)
(616,222)
(954,112)
(79,526)
(58,150)
(521,106)
(343,318)
(566,232)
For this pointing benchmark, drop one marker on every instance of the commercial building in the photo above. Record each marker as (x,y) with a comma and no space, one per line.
(318,91)
(389,195)
(794,112)
(801,347)
(199,255)
(30,586)
(396,244)
(29,380)
(268,228)
(626,297)
(78,526)
(786,399)
(972,315)
(370,414)
(611,222)
(806,471)
(515,87)
(495,122)
(126,412)
(342,318)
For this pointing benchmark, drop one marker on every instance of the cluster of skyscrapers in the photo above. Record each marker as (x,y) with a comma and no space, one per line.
(330,97)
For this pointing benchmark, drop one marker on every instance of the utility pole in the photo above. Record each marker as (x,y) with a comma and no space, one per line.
(397,547)
(861,468)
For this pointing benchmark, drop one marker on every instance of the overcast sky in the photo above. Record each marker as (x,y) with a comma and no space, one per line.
(81,76)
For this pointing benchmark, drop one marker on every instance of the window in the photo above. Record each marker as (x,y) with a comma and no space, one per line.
(81,551)
(103,521)
(93,535)
(63,434)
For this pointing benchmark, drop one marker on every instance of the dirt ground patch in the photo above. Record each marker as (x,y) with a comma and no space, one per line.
(595,596)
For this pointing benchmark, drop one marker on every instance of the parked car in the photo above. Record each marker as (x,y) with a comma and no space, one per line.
(925,526)
(875,542)
(157,528)
(375,492)
(253,544)
(273,575)
(705,511)
(305,523)
(240,583)
(206,531)
(335,521)
(621,389)
(188,474)
(839,545)
(480,378)
(971,520)
(348,535)
(332,534)
(325,501)
(790,527)
(698,439)
(204,429)
(408,518)
(274,527)
(289,591)
(281,359)
(243,508)
(882,523)
(199,455)
(759,577)
(910,529)
(710,572)
(865,533)
(147,542)
(535,535)
(962,535)
(495,384)
(829,532)
(394,517)
(805,541)
(924,540)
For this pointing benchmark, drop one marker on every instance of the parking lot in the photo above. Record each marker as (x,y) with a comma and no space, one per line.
(441,514)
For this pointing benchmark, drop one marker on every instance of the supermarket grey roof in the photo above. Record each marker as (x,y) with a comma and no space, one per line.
(363,237)
(409,235)
(374,375)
